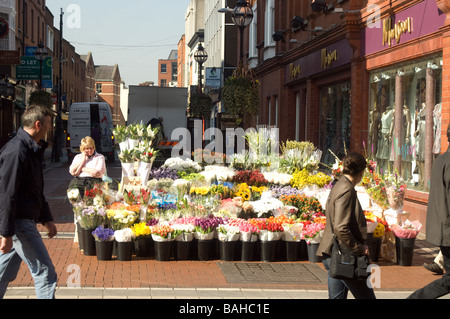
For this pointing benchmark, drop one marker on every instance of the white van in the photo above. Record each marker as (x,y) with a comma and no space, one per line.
(92,119)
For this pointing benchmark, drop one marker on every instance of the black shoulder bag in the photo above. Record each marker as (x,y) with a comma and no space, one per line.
(346,265)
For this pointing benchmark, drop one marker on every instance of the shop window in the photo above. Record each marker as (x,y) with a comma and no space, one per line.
(334,123)
(383,145)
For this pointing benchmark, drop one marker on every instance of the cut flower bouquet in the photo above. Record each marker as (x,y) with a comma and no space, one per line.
(103,234)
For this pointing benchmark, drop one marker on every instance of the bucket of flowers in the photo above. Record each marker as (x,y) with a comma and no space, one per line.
(162,236)
(204,234)
(405,237)
(124,241)
(312,233)
(104,242)
(228,236)
(143,241)
(269,233)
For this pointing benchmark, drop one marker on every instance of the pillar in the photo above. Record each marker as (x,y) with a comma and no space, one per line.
(398,116)
(430,101)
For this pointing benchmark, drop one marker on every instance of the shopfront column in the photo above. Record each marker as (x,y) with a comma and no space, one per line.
(398,116)
(430,101)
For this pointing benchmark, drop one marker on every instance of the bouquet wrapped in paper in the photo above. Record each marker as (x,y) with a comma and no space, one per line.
(124,235)
(292,232)
(247,231)
(228,233)
(268,230)
(395,191)
(162,233)
(407,229)
(313,232)
(183,232)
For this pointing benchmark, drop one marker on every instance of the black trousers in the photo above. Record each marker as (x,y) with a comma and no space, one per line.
(83,183)
(439,287)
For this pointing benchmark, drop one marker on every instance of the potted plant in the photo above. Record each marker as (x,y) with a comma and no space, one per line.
(200,105)
(104,242)
(241,94)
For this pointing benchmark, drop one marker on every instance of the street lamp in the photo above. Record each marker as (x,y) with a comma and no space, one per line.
(40,54)
(242,16)
(200,56)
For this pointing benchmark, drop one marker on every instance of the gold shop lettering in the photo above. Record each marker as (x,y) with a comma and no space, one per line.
(328,57)
(395,32)
(294,71)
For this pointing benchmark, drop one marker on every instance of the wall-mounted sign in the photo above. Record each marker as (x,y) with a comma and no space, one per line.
(294,71)
(327,57)
(399,28)
(395,32)
(334,55)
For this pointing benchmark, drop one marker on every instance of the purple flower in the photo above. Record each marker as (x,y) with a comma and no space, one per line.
(103,234)
(152,222)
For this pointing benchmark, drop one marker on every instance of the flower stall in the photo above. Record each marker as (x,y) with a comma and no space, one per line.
(232,209)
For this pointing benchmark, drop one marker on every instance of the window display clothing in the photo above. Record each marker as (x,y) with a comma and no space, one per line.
(384,144)
(437,129)
(375,118)
(403,147)
(420,135)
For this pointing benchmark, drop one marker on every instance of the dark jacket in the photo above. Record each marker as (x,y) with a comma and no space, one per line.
(438,211)
(22,183)
(346,215)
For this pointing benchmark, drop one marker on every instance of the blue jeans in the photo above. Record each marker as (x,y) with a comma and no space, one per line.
(29,247)
(338,289)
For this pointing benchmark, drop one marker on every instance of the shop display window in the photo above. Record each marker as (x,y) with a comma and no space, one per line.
(383,145)
(335,123)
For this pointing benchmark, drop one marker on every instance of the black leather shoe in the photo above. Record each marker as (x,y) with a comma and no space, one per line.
(433,267)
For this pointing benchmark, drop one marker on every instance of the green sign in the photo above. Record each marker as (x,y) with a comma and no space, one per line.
(30,69)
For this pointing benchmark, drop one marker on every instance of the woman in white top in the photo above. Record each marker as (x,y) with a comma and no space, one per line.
(87,167)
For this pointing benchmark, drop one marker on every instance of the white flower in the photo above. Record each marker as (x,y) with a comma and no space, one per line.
(73,194)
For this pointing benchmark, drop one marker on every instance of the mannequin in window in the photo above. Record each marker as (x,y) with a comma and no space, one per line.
(419,134)
(384,139)
(437,130)
(374,127)
(406,144)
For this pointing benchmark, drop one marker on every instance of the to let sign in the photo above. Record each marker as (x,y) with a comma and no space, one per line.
(29,69)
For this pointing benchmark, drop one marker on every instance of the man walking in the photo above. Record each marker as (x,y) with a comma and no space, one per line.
(438,224)
(23,204)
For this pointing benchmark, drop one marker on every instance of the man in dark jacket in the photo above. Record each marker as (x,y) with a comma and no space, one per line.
(23,204)
(438,224)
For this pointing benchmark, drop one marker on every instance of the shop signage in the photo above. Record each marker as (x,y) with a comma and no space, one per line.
(294,71)
(334,55)
(327,58)
(390,33)
(412,23)
(8,57)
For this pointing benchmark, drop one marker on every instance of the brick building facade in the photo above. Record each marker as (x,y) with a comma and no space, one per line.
(371,77)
